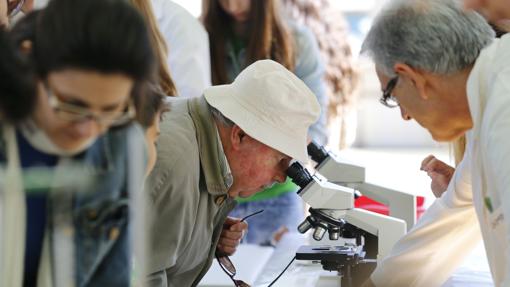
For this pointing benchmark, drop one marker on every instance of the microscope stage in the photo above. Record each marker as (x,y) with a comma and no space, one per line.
(329,253)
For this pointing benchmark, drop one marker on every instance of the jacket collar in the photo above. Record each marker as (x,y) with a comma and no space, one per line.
(479,81)
(213,161)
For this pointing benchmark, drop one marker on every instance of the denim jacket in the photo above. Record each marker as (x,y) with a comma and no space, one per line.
(89,221)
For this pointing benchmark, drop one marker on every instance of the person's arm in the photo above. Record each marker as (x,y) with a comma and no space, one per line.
(495,152)
(439,242)
(188,44)
(311,70)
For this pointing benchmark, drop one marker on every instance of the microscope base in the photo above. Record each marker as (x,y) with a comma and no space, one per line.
(345,260)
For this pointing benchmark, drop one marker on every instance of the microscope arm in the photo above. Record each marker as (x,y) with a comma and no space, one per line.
(401,204)
(388,229)
(325,195)
(339,171)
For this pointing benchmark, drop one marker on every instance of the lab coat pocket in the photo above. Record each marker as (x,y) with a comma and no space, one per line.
(498,229)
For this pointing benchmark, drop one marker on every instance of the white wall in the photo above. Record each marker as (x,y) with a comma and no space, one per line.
(379,126)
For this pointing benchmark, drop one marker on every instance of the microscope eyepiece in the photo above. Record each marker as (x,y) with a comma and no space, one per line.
(299,174)
(317,152)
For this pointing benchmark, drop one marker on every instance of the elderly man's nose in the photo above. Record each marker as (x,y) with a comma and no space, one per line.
(404,114)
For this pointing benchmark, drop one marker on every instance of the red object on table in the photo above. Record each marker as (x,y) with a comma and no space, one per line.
(374,206)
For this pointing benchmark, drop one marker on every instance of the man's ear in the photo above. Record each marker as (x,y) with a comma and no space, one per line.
(416,76)
(237,136)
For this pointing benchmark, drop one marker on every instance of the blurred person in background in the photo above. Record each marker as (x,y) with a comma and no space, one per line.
(17,86)
(74,163)
(240,33)
(329,27)
(187,44)
(151,107)
(149,112)
(165,81)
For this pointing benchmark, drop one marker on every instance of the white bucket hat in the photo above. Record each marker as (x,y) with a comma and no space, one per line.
(271,105)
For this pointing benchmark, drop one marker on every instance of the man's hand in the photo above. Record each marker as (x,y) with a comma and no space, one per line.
(439,172)
(231,235)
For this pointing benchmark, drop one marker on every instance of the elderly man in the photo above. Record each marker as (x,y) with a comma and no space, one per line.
(233,141)
(440,65)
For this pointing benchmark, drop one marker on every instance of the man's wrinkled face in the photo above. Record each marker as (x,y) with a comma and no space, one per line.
(256,166)
(424,105)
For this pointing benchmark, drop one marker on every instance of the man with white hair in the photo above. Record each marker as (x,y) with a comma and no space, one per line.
(439,63)
(233,141)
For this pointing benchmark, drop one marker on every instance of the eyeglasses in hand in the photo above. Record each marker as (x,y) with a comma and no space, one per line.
(227,265)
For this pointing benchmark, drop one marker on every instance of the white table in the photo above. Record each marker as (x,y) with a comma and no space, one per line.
(300,273)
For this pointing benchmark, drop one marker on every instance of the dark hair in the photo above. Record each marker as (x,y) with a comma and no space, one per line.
(269,36)
(152,104)
(17,84)
(108,36)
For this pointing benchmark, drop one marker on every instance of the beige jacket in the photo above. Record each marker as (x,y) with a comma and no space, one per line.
(187,196)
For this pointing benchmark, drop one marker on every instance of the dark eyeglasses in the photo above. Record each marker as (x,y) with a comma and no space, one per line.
(14,6)
(387,98)
(227,265)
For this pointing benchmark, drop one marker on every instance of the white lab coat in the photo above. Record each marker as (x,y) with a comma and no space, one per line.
(188,44)
(448,231)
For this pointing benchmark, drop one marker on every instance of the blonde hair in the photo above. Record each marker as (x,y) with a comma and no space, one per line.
(159,45)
